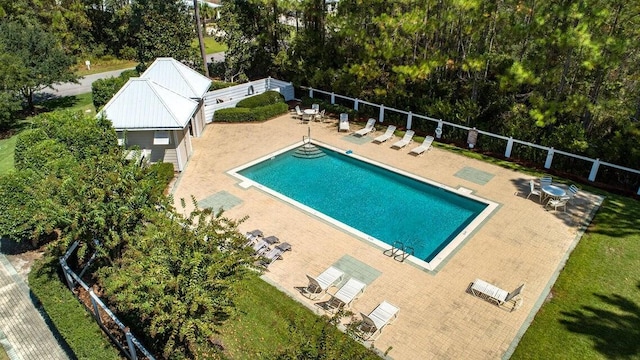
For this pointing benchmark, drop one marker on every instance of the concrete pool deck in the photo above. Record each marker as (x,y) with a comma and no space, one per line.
(438,318)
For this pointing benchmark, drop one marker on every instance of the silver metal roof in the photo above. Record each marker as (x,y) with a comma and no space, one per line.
(178,77)
(142,104)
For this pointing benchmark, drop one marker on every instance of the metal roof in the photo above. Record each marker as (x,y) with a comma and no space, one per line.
(142,104)
(178,77)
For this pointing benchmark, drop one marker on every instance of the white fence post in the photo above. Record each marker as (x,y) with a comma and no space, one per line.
(638,193)
(594,170)
(268,83)
(355,105)
(439,130)
(333,98)
(547,163)
(409,120)
(311,92)
(381,113)
(507,153)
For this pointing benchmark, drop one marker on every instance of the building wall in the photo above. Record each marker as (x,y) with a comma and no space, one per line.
(177,152)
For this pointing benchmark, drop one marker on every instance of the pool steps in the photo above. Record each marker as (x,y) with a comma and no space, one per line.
(308,151)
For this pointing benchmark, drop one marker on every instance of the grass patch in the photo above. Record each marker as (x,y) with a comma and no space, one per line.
(76,326)
(7,147)
(594,311)
(3,354)
(270,324)
(82,102)
(103,64)
(211,46)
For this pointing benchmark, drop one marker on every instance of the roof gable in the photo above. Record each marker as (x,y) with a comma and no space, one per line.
(175,75)
(144,104)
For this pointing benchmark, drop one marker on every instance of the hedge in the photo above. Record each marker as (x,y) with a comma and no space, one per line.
(266,98)
(255,114)
(76,326)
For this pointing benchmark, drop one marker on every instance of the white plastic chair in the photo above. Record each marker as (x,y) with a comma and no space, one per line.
(380,317)
(426,145)
(534,191)
(387,134)
(408,137)
(367,128)
(347,294)
(319,285)
(344,122)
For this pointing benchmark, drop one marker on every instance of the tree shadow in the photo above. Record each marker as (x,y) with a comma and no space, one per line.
(615,333)
(50,103)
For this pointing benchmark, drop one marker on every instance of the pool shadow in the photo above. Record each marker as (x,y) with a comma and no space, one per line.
(612,323)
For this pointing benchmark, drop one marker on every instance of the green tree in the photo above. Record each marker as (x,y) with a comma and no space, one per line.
(163,29)
(39,60)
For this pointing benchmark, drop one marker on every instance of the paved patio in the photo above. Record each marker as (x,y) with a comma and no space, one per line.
(438,318)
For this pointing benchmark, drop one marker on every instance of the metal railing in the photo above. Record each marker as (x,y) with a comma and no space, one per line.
(595,164)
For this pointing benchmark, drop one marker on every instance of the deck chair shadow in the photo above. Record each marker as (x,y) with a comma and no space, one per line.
(318,286)
(492,293)
(387,134)
(426,145)
(367,128)
(406,139)
(372,324)
(346,294)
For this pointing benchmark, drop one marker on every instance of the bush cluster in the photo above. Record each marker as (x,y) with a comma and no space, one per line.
(256,108)
(334,109)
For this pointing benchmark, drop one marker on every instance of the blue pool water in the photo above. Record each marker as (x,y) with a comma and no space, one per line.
(383,204)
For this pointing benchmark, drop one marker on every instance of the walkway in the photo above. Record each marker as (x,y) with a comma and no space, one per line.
(23,331)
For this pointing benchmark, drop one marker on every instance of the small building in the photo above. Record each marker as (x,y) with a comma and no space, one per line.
(160,111)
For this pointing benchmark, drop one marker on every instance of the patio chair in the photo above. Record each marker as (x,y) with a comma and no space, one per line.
(299,114)
(319,286)
(271,240)
(260,247)
(534,191)
(387,134)
(320,116)
(426,145)
(556,203)
(408,136)
(367,128)
(347,294)
(494,294)
(252,236)
(380,317)
(315,107)
(344,122)
(274,254)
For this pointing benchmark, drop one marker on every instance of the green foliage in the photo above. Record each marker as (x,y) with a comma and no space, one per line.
(260,113)
(163,29)
(25,140)
(266,98)
(177,281)
(9,106)
(332,108)
(163,173)
(234,115)
(69,317)
(216,85)
(39,59)
(104,89)
(7,147)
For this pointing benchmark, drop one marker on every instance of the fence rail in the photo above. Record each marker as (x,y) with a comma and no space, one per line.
(508,147)
(133,347)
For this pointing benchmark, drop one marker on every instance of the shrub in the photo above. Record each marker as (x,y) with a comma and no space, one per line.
(234,115)
(26,140)
(266,98)
(270,111)
(163,174)
(76,326)
(217,85)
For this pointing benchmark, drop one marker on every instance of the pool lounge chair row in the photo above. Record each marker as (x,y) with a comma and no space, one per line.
(372,324)
(262,247)
(406,139)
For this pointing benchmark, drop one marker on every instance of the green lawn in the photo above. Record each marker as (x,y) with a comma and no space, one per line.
(210,45)
(3,354)
(594,310)
(6,154)
(99,65)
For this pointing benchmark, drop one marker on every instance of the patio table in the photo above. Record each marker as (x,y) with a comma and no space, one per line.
(553,191)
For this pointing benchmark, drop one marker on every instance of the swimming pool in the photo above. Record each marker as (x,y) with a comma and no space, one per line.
(371,200)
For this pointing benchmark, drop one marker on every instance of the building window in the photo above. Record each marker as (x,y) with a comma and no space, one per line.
(161,138)
(121,139)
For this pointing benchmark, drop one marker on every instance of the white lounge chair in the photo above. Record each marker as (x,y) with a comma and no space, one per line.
(426,145)
(318,286)
(347,294)
(344,122)
(367,128)
(534,191)
(299,114)
(260,247)
(387,134)
(274,254)
(494,294)
(381,316)
(408,136)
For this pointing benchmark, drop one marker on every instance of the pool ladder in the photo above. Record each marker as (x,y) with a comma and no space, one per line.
(399,251)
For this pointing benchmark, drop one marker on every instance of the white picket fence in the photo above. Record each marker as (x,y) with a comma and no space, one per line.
(509,141)
(229,97)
